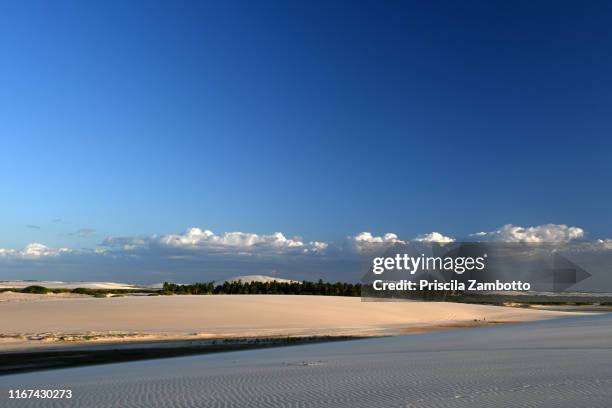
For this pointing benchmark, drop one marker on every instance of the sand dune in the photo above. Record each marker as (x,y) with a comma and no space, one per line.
(26,324)
(18,284)
(10,296)
(555,363)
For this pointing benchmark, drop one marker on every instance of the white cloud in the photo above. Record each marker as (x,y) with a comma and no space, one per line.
(547,233)
(434,237)
(366,241)
(367,237)
(605,244)
(200,254)
(33,251)
(319,246)
(196,239)
(7,252)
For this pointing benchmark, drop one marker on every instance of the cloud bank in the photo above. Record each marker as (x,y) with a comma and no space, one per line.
(547,233)
(434,237)
(196,239)
(33,251)
(201,254)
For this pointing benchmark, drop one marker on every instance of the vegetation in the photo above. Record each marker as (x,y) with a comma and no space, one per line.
(227,288)
(322,288)
(82,291)
(265,288)
(35,289)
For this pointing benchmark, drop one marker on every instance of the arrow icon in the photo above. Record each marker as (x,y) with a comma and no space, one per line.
(566,273)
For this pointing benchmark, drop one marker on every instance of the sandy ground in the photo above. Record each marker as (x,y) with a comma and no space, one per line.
(31,297)
(554,363)
(45,323)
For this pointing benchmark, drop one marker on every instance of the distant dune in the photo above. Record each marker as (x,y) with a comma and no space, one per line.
(120,319)
(19,284)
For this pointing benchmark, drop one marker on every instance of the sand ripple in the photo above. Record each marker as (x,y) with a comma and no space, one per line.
(560,363)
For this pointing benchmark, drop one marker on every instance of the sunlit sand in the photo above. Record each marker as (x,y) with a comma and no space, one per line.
(68,321)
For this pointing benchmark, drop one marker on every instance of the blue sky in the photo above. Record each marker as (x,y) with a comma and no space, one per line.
(317,119)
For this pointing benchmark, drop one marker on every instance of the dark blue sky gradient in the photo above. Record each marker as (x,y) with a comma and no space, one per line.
(317,119)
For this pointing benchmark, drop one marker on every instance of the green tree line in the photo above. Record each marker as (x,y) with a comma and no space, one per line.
(264,288)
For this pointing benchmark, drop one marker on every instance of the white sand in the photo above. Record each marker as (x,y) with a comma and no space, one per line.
(556,363)
(25,324)
(71,285)
(10,296)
